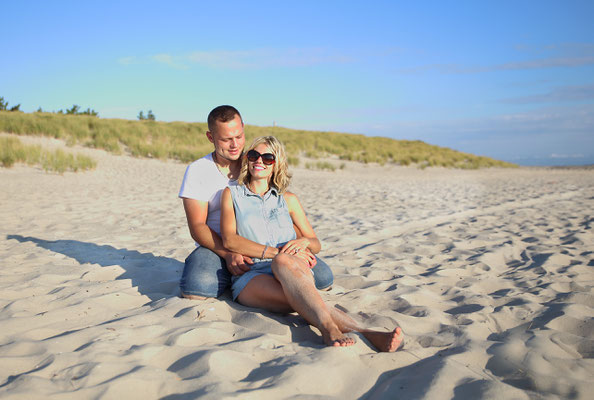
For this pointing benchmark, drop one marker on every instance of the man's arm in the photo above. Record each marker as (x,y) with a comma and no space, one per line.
(196,214)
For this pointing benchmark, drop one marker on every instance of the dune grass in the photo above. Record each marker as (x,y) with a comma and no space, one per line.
(13,151)
(186,141)
(324,165)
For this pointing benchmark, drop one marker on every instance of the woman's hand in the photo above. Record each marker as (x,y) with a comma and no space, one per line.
(307,256)
(295,246)
(299,248)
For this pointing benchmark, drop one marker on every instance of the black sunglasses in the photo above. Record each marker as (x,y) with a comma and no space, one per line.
(267,158)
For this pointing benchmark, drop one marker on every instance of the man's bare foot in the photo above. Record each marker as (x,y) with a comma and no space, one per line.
(385,341)
(335,338)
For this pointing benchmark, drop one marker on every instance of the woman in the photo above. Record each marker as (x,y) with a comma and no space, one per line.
(258,219)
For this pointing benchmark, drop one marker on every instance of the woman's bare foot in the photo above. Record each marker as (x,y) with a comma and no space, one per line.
(385,341)
(334,337)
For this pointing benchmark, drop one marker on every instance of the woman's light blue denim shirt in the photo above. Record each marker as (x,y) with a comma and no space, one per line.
(262,219)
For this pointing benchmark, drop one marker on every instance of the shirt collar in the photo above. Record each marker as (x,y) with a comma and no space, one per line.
(273,190)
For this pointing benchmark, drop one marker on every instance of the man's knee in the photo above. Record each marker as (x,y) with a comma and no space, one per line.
(323,275)
(205,275)
(201,256)
(199,286)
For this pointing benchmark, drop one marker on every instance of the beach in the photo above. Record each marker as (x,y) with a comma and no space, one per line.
(489,273)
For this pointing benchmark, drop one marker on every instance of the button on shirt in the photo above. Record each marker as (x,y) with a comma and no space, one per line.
(263,219)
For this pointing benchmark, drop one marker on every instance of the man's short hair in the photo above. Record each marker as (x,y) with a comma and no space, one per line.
(222,114)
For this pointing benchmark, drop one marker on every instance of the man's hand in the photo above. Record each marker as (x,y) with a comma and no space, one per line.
(237,264)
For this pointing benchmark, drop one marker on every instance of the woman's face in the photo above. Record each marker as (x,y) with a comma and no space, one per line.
(258,169)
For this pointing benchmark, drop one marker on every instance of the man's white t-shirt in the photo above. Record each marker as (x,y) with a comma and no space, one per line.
(204,182)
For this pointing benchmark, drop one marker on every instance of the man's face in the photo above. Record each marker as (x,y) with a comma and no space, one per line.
(228,139)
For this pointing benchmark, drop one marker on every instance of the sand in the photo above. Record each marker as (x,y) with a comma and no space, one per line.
(489,273)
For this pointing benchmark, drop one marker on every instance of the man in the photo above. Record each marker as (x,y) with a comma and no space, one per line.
(208,269)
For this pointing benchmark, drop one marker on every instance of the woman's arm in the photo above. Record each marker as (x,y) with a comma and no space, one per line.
(309,238)
(231,240)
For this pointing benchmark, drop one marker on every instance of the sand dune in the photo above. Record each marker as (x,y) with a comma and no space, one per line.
(489,273)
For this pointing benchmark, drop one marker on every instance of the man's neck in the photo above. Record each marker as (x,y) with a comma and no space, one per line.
(228,168)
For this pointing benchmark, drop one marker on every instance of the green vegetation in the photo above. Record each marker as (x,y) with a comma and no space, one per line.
(360,148)
(13,151)
(75,110)
(187,141)
(149,115)
(4,106)
(323,165)
(293,160)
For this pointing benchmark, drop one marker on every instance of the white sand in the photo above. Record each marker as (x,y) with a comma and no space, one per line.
(489,273)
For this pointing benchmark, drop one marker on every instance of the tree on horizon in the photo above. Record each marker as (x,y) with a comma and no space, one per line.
(4,106)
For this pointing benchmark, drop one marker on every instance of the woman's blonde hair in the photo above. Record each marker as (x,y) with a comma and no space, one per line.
(280,177)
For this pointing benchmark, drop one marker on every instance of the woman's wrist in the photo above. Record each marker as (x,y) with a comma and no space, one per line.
(270,252)
(264,252)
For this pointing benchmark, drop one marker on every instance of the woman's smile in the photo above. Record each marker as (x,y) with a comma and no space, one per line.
(257,168)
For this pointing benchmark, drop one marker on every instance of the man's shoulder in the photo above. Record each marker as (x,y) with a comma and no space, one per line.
(207,160)
(204,165)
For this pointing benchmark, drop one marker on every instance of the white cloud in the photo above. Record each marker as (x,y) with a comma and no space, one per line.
(244,59)
(552,62)
(565,55)
(555,155)
(265,58)
(127,60)
(167,59)
(560,94)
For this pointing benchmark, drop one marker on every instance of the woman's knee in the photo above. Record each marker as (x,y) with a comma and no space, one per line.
(283,263)
(282,259)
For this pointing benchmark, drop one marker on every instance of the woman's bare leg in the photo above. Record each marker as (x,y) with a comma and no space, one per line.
(298,285)
(383,341)
(264,291)
(268,293)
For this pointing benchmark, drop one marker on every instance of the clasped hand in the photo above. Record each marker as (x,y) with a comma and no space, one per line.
(299,248)
(237,264)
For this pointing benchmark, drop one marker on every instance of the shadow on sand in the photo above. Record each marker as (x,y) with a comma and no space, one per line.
(155,277)
(158,278)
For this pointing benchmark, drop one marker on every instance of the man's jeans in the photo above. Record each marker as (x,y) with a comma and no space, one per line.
(205,274)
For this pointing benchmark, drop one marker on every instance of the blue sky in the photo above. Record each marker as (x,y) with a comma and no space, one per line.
(512,80)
